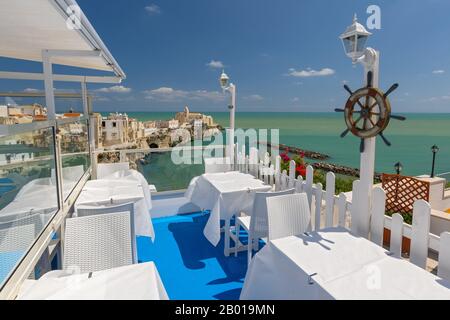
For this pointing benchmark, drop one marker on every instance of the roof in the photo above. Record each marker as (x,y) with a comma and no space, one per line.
(27,27)
(355,28)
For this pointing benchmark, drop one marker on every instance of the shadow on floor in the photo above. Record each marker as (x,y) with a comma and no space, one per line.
(194,248)
(190,267)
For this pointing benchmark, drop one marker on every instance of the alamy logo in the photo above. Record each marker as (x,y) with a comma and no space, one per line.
(374,19)
(73,22)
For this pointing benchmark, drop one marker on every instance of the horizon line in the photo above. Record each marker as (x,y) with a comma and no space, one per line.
(265,111)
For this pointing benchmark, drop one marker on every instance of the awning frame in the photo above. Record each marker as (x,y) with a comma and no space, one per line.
(11,287)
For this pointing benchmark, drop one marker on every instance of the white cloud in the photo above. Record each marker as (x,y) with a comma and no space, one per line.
(167,94)
(310,73)
(436,99)
(295,99)
(153,9)
(438,71)
(215,64)
(254,97)
(31,90)
(115,89)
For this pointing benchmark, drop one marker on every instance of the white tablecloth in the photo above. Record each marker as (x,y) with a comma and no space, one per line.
(225,194)
(134,282)
(216,165)
(39,195)
(333,264)
(105,192)
(133,175)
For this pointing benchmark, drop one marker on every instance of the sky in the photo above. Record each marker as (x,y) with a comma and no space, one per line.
(283,55)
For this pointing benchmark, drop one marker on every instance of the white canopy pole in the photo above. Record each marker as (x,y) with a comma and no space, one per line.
(48,85)
(85,99)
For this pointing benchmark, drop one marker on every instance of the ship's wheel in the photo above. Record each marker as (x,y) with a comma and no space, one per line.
(367,112)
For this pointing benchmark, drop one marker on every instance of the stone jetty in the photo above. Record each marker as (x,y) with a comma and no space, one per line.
(308,154)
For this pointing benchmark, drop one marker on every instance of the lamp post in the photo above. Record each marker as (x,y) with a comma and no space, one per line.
(398,167)
(434,150)
(354,39)
(231,88)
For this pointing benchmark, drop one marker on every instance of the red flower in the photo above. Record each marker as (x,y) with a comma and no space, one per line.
(301,170)
(285,157)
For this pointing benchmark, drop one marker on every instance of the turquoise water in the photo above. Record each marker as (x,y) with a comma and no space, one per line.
(411,140)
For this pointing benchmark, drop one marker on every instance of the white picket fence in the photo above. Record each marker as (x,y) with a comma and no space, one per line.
(330,210)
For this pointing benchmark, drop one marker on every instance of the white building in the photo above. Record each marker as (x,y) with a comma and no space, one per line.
(198,129)
(174,124)
(114,129)
(118,128)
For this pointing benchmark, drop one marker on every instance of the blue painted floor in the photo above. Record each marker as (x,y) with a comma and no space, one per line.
(190,267)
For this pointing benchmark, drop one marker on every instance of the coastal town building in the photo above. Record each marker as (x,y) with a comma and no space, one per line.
(17,114)
(189,117)
(167,124)
(118,128)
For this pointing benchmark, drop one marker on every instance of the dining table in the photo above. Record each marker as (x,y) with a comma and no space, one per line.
(334,264)
(225,194)
(132,282)
(102,193)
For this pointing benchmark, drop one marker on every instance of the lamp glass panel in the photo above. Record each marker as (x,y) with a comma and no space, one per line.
(361,44)
(349,44)
(223,82)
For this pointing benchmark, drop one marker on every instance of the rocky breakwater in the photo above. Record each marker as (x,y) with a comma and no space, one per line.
(308,154)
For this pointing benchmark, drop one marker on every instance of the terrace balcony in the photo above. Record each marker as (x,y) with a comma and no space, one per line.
(175,234)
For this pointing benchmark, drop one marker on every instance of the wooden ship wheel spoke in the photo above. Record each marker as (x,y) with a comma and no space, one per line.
(367,112)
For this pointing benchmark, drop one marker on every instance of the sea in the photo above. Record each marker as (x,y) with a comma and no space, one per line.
(411,139)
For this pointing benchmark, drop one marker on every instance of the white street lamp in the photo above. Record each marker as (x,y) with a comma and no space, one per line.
(231,88)
(354,40)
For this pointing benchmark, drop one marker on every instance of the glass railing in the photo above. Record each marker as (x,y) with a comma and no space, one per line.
(29,180)
(74,153)
(167,169)
(29,195)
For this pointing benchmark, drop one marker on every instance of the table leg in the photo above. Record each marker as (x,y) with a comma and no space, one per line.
(226,249)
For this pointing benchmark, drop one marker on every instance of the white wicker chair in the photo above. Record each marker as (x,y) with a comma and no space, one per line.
(17,233)
(16,238)
(256,225)
(23,219)
(98,242)
(288,215)
(83,211)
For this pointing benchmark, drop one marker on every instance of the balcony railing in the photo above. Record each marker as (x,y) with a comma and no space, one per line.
(42,168)
(168,169)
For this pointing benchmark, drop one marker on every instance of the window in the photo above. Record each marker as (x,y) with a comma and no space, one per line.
(114,124)
(103,124)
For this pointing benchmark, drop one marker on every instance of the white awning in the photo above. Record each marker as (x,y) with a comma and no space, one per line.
(27,27)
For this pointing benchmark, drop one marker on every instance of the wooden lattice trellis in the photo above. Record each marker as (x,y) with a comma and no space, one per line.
(402,192)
